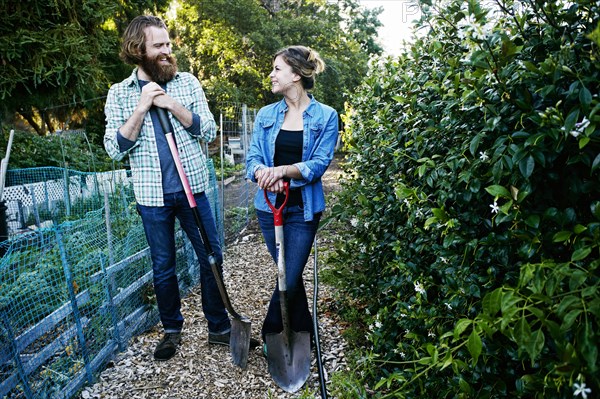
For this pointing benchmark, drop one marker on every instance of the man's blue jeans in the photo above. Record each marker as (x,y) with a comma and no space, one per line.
(298,239)
(159,225)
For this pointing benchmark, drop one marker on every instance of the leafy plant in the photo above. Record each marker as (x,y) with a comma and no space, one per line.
(472,197)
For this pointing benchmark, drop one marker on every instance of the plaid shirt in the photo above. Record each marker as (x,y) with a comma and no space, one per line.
(122,100)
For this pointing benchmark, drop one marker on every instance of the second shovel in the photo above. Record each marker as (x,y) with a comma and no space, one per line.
(288,353)
(239,342)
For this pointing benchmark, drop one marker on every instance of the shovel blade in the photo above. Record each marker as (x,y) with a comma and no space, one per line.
(239,341)
(289,359)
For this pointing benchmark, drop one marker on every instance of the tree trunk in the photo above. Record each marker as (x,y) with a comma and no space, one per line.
(28,116)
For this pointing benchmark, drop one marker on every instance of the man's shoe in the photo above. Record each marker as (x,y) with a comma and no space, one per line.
(167,346)
(223,339)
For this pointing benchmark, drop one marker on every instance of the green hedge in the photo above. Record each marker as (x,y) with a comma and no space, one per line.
(473,197)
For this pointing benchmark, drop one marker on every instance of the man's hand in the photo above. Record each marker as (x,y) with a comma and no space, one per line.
(150,93)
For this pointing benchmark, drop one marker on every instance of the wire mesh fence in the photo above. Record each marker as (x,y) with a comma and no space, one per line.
(75,271)
(73,293)
(236,124)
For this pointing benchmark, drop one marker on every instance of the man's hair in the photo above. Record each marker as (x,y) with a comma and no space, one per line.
(304,61)
(133,46)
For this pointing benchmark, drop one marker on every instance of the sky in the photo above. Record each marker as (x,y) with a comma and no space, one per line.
(397,17)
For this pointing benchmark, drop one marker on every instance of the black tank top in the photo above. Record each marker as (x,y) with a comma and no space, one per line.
(288,151)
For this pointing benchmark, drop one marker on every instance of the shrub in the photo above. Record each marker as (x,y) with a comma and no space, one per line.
(474,202)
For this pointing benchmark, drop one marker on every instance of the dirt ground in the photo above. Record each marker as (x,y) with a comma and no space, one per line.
(202,371)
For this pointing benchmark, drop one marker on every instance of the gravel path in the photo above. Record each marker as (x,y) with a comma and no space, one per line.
(202,371)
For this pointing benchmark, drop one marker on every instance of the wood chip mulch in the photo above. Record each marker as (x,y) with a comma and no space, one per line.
(200,370)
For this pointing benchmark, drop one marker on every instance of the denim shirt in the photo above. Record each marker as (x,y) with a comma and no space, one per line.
(319,140)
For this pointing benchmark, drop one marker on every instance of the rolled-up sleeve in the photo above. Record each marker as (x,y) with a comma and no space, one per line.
(115,118)
(319,159)
(208,127)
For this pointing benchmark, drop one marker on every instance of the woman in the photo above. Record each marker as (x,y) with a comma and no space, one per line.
(293,140)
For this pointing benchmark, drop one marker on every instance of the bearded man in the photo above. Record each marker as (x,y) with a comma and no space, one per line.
(133,129)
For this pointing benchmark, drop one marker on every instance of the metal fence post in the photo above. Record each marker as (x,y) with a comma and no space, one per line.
(15,354)
(67,197)
(73,300)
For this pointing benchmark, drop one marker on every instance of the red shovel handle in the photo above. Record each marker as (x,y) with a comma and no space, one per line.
(278,212)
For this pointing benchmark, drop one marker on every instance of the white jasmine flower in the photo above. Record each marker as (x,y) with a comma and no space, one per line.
(367,311)
(402,355)
(494,207)
(431,334)
(443,260)
(406,202)
(483,156)
(448,305)
(419,288)
(371,328)
(354,222)
(580,389)
(378,324)
(582,125)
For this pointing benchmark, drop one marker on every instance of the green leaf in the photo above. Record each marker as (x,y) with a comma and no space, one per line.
(474,345)
(464,386)
(526,166)
(566,303)
(447,360)
(583,141)
(475,144)
(585,97)
(498,191)
(589,291)
(429,222)
(578,277)
(492,302)
(596,163)
(571,120)
(536,344)
(440,214)
(562,236)
(580,254)
(570,319)
(461,326)
(509,300)
(533,221)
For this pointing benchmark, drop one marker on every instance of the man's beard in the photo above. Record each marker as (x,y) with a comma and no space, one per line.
(158,72)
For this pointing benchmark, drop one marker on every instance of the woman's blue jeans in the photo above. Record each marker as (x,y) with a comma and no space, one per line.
(159,225)
(298,239)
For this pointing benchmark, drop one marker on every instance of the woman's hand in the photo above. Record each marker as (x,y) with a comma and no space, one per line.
(270,178)
(277,187)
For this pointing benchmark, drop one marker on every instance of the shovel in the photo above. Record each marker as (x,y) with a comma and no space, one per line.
(239,341)
(288,352)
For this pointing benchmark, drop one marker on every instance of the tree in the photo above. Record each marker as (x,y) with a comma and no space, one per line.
(229,45)
(55,55)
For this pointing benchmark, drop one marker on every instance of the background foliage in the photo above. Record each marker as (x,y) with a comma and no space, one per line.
(58,58)
(56,54)
(473,201)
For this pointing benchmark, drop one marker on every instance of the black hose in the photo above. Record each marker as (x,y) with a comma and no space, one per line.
(316,326)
